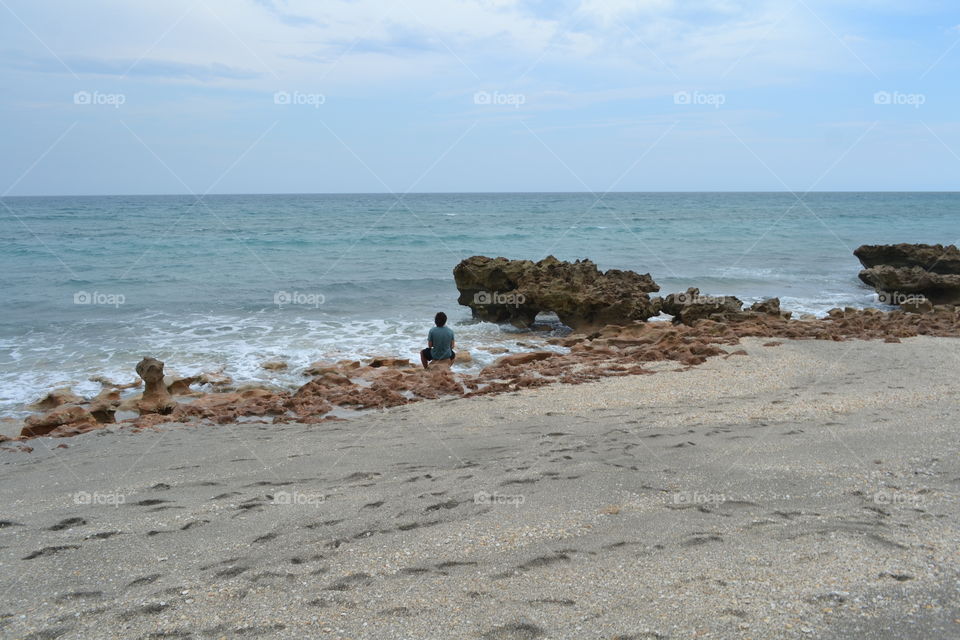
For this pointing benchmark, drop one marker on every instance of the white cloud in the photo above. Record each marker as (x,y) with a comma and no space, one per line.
(356,44)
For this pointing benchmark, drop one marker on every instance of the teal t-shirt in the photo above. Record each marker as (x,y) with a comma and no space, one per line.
(442,339)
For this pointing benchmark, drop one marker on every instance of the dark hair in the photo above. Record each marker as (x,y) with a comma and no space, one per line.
(440,319)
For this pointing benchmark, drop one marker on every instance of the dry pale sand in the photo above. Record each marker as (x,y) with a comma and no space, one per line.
(807,490)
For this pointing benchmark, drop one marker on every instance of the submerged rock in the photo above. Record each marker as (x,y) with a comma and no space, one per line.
(582,296)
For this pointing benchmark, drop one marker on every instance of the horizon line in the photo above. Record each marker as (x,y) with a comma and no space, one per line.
(428,193)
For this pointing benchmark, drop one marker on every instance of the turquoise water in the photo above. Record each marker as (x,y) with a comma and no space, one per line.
(91,284)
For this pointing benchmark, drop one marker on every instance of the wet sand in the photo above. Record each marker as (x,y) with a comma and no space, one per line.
(806,490)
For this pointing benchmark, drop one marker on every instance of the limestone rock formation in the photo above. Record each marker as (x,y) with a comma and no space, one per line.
(910,274)
(104,407)
(68,418)
(156,398)
(690,307)
(56,398)
(582,296)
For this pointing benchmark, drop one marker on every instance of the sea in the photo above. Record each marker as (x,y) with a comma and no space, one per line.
(90,285)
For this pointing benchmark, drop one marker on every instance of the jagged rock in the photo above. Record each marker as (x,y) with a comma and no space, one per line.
(155,398)
(770,306)
(66,417)
(583,297)
(274,365)
(227,407)
(180,386)
(56,398)
(917,306)
(691,306)
(935,258)
(104,407)
(910,274)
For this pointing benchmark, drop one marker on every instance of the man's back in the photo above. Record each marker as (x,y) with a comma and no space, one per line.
(442,340)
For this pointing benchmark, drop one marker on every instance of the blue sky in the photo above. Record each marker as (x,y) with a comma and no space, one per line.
(269,96)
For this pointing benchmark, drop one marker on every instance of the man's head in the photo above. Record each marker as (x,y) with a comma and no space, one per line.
(440,319)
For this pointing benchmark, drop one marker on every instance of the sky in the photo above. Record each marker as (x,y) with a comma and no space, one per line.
(396,96)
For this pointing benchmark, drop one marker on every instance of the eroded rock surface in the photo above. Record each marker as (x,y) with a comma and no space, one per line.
(582,296)
(156,398)
(909,274)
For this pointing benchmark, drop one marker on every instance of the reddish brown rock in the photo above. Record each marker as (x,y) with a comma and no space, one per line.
(227,407)
(178,386)
(104,407)
(66,417)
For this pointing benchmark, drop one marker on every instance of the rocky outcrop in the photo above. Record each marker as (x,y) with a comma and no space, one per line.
(692,306)
(582,296)
(66,419)
(156,398)
(614,350)
(56,398)
(910,274)
(104,407)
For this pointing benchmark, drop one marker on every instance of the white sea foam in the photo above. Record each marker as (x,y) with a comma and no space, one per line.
(237,345)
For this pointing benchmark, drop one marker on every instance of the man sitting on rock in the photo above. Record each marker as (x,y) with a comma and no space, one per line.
(440,343)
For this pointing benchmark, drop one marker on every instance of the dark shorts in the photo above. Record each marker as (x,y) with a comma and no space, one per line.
(427,354)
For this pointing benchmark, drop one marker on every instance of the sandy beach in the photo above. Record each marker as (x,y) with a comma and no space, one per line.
(805,490)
